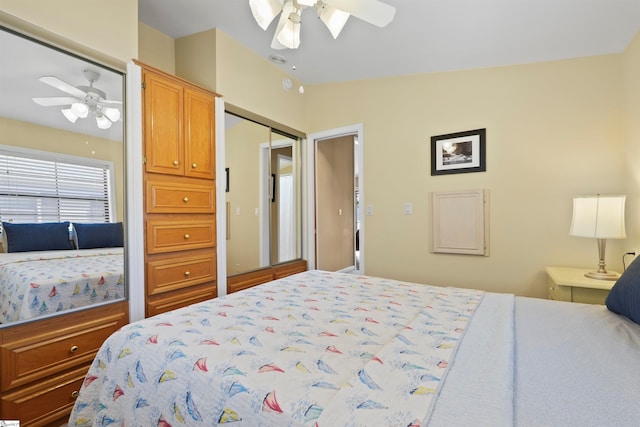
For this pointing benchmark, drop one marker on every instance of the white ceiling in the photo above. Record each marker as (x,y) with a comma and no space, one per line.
(425,36)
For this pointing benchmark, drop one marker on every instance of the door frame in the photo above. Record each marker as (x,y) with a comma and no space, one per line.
(358,131)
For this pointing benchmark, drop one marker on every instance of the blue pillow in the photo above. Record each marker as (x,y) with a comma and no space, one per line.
(44,236)
(99,235)
(624,297)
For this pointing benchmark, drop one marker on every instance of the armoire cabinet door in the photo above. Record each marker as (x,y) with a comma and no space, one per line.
(163,125)
(199,128)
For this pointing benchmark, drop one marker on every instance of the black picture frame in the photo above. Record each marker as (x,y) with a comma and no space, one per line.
(459,152)
(226,173)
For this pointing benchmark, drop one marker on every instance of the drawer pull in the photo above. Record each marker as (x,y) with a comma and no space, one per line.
(187,273)
(74,394)
(176,163)
(195,165)
(187,236)
(73,349)
(186,200)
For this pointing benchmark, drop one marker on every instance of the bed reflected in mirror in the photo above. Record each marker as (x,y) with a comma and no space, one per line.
(61,181)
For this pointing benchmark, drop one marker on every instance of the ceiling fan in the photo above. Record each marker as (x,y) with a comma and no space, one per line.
(334,14)
(83,100)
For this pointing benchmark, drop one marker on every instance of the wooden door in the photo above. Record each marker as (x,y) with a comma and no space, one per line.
(199,129)
(163,121)
(335,201)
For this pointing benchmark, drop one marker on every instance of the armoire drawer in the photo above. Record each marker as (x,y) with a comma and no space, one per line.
(170,236)
(174,300)
(180,197)
(39,355)
(45,402)
(164,275)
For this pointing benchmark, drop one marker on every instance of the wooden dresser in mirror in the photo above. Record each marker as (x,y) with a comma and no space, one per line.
(63,287)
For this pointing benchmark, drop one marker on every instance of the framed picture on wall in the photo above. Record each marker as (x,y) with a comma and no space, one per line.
(459,152)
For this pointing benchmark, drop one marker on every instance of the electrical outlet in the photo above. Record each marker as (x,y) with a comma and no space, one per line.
(635,251)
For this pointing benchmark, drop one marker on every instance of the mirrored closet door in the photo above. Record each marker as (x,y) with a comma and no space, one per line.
(263,197)
(61,181)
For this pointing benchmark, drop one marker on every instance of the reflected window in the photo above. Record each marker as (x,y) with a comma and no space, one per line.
(38,187)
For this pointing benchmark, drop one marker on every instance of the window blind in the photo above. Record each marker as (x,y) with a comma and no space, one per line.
(34,188)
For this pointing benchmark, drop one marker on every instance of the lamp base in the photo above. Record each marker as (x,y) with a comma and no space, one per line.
(607,275)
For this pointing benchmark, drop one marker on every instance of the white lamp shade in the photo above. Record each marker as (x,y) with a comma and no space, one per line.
(70,115)
(264,11)
(79,109)
(600,217)
(287,33)
(112,114)
(103,122)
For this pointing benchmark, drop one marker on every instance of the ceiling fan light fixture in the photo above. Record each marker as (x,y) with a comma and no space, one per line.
(80,109)
(289,36)
(102,121)
(70,115)
(112,114)
(287,33)
(264,11)
(333,18)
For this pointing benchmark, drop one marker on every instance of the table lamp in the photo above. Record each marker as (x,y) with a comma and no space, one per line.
(601,218)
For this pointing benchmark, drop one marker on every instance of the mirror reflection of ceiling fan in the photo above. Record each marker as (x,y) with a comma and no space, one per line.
(334,14)
(83,100)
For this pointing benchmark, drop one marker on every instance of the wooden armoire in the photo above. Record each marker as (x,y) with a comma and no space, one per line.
(179,191)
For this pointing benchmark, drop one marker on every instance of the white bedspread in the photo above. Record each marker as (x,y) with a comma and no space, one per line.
(577,365)
(317,349)
(34,284)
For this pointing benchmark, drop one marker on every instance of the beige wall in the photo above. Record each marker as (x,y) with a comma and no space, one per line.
(35,137)
(631,151)
(156,49)
(554,130)
(109,28)
(196,58)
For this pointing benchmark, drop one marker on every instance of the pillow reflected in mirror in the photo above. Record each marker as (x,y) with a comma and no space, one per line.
(45,236)
(99,235)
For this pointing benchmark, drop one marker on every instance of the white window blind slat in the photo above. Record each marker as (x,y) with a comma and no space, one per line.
(34,189)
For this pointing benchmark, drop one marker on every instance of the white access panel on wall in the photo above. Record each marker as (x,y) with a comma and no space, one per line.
(460,222)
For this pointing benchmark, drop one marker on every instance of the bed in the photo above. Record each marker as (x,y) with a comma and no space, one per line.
(333,349)
(34,284)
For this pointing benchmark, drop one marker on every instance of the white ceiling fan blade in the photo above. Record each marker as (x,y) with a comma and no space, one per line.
(372,11)
(63,86)
(108,101)
(55,101)
(264,11)
(334,19)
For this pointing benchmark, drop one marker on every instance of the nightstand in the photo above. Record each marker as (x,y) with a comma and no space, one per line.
(570,284)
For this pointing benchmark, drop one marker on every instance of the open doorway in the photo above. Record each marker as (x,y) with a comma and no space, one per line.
(336,189)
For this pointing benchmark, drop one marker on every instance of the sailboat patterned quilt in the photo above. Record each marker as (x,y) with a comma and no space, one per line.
(34,284)
(313,349)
